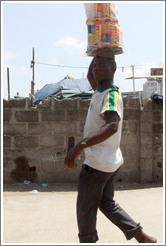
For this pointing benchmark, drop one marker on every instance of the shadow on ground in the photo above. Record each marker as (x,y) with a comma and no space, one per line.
(67,187)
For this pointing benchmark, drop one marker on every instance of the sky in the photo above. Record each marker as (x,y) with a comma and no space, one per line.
(58,33)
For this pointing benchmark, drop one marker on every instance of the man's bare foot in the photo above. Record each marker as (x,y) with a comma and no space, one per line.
(142,237)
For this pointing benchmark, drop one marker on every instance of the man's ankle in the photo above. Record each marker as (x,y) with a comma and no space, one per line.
(142,237)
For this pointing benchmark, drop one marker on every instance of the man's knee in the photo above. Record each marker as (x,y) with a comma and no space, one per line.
(107,206)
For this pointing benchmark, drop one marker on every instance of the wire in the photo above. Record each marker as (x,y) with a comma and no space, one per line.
(123,67)
(48,64)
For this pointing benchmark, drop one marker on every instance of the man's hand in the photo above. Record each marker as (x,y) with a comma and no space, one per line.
(73,154)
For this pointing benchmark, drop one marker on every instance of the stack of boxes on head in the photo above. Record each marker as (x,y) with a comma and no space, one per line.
(104,32)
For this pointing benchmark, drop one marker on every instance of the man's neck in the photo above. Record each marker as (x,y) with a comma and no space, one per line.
(104,84)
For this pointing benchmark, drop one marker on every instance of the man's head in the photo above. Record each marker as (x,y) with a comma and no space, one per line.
(103,69)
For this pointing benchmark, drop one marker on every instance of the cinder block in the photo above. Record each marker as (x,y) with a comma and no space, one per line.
(26,142)
(45,103)
(122,176)
(146,128)
(156,116)
(157,150)
(125,175)
(6,141)
(8,165)
(146,139)
(157,139)
(146,152)
(132,150)
(48,115)
(158,169)
(71,127)
(133,127)
(146,116)
(131,114)
(162,118)
(11,154)
(66,128)
(72,115)
(26,116)
(125,126)
(146,177)
(39,128)
(6,103)
(158,177)
(134,103)
(14,129)
(146,167)
(15,103)
(157,128)
(130,139)
(61,128)
(148,105)
(79,115)
(7,115)
(157,163)
(146,164)
(131,163)
(49,166)
(65,104)
(82,115)
(6,176)
(123,149)
(84,103)
(125,102)
(80,127)
(52,140)
(46,152)
(57,172)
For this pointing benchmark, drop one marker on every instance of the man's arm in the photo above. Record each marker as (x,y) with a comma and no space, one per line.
(90,76)
(107,130)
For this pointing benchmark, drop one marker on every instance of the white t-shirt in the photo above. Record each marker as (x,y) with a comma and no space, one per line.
(105,156)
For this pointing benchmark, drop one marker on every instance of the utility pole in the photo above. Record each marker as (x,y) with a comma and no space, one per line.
(33,71)
(133,78)
(8,82)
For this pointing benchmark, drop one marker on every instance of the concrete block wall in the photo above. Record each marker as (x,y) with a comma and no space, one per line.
(45,133)
(130,145)
(157,141)
(151,156)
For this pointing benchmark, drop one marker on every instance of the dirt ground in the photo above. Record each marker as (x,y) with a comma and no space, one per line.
(32,214)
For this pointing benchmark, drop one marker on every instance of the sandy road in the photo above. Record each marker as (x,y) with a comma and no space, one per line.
(50,216)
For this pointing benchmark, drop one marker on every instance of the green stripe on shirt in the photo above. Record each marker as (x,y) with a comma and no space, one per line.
(111,101)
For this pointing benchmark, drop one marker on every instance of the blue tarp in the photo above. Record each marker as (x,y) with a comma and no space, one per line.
(82,85)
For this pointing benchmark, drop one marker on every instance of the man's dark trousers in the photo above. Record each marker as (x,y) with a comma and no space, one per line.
(96,190)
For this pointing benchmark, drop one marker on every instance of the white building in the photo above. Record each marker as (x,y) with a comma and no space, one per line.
(149,87)
(153,84)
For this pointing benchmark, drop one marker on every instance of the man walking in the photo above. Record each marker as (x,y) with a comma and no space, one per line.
(103,157)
